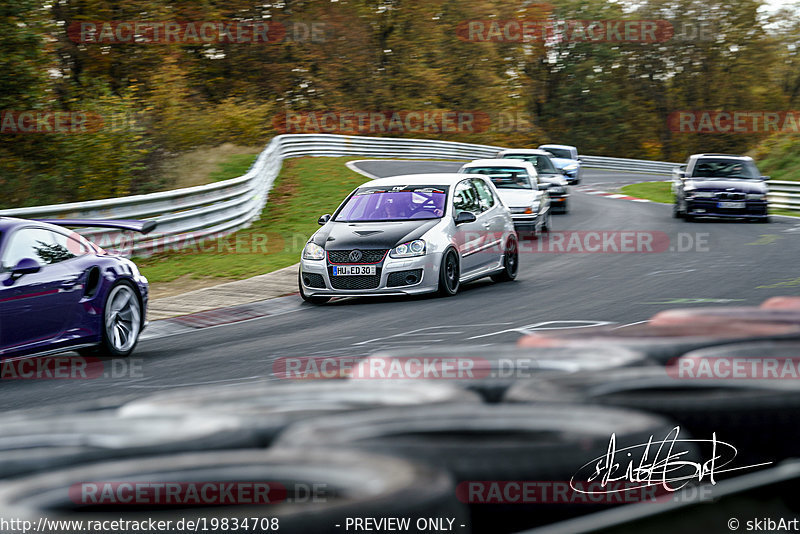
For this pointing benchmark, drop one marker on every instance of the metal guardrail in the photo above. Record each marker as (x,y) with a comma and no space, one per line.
(785,195)
(186,216)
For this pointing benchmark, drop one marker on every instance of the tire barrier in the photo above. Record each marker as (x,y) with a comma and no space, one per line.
(31,445)
(267,407)
(284,491)
(767,494)
(489,371)
(483,443)
(761,418)
(663,342)
(713,316)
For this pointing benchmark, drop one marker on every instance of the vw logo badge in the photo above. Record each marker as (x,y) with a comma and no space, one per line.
(356,255)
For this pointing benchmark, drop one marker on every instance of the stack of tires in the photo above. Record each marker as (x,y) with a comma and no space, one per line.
(531,436)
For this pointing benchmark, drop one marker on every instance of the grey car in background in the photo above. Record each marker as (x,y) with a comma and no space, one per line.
(548,173)
(410,234)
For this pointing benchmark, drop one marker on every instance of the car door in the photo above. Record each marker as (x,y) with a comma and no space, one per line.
(469,237)
(493,220)
(33,307)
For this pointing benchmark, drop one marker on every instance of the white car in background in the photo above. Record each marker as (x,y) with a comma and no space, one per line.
(518,185)
(543,161)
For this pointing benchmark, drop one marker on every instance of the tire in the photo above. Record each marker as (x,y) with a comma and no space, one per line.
(714,316)
(308,490)
(760,418)
(493,371)
(688,218)
(510,263)
(262,405)
(449,274)
(64,440)
(313,300)
(116,326)
(676,212)
(764,220)
(489,443)
(662,342)
(548,222)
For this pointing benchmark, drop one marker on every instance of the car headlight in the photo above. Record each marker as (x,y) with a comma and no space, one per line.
(313,252)
(571,167)
(756,196)
(699,194)
(409,250)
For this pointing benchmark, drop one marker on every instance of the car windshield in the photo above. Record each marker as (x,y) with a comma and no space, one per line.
(726,168)
(559,152)
(541,162)
(504,177)
(394,203)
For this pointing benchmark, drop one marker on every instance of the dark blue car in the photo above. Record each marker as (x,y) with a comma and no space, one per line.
(59,291)
(720,185)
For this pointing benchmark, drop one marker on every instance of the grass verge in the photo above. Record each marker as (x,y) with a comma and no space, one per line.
(661,192)
(235,166)
(655,191)
(305,189)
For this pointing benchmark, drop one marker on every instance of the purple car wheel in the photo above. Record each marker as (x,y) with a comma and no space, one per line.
(122,320)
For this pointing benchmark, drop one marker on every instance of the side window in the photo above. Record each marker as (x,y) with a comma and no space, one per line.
(485,196)
(39,244)
(465,198)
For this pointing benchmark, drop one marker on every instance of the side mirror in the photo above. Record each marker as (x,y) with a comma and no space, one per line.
(765,178)
(680,174)
(26,266)
(544,186)
(465,217)
(322,221)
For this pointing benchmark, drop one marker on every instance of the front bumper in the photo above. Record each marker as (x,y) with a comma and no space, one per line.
(709,208)
(525,222)
(426,266)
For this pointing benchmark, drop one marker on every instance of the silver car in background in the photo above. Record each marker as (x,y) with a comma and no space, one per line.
(519,187)
(567,160)
(411,234)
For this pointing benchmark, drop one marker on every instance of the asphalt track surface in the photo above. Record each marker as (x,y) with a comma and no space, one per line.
(736,263)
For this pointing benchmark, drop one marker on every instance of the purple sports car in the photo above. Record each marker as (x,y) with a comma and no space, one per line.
(59,291)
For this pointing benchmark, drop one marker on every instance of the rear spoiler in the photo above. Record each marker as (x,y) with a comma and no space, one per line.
(144,227)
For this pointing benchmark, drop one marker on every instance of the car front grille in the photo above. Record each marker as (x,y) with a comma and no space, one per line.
(367,256)
(355,282)
(313,280)
(401,278)
(730,196)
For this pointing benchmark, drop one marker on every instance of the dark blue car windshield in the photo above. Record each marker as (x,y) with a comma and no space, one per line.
(372,204)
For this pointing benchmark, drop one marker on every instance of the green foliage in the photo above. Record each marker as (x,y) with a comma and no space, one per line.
(779,157)
(610,98)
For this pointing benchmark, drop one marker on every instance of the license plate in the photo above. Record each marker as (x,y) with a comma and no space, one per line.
(354,270)
(730,204)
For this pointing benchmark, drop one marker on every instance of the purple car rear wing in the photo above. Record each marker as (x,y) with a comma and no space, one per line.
(144,227)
